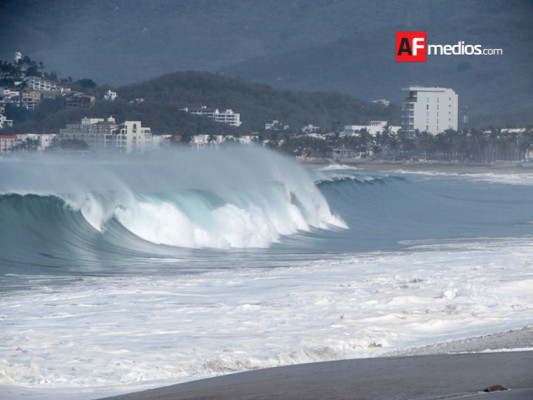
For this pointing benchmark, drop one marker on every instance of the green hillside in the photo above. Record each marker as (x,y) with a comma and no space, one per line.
(165,96)
(257,103)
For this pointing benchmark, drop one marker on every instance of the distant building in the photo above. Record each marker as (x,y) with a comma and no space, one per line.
(373,128)
(343,154)
(39,141)
(46,140)
(316,136)
(96,132)
(4,122)
(45,85)
(30,99)
(275,125)
(310,129)
(8,96)
(132,137)
(7,143)
(79,100)
(204,140)
(26,142)
(108,135)
(110,95)
(429,109)
(162,140)
(227,117)
(464,118)
(383,102)
(248,139)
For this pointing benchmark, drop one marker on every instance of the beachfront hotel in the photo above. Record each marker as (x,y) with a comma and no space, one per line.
(429,109)
(104,135)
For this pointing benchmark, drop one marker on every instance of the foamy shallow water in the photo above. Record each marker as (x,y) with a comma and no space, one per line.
(106,332)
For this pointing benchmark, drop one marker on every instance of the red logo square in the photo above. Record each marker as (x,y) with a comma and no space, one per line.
(411,46)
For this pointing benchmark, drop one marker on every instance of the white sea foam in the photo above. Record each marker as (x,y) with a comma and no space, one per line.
(338,167)
(103,332)
(240,197)
(244,219)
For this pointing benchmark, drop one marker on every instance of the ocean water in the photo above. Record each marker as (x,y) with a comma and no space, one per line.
(130,272)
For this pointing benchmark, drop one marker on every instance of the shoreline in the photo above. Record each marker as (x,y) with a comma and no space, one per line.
(459,368)
(488,376)
(441,167)
(501,358)
(428,166)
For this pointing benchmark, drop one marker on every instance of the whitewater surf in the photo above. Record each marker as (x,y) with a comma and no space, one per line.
(125,272)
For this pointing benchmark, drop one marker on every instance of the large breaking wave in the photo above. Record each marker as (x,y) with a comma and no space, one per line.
(231,198)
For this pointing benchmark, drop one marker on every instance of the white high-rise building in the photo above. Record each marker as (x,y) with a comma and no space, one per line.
(108,135)
(429,109)
(227,117)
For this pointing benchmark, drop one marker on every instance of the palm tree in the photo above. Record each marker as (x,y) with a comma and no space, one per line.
(424,143)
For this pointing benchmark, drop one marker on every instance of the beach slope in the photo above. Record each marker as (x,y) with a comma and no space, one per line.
(440,376)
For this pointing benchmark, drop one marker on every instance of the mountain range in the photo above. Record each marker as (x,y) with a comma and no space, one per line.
(309,45)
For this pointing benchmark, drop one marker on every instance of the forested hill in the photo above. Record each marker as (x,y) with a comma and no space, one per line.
(258,103)
(164,97)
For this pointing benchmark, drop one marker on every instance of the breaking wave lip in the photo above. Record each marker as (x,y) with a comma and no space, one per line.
(243,197)
(232,220)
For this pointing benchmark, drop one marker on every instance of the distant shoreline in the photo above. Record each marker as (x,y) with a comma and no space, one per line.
(460,168)
(454,168)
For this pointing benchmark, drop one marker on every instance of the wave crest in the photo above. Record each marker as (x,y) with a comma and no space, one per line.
(243,197)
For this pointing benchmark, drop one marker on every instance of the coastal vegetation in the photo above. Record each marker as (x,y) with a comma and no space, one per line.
(467,146)
(159,104)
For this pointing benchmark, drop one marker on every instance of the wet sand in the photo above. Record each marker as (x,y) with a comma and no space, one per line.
(412,377)
(417,377)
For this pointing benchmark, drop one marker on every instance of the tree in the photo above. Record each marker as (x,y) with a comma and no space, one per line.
(86,83)
(424,143)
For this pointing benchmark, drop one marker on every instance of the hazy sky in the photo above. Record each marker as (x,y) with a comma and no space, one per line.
(117,41)
(343,45)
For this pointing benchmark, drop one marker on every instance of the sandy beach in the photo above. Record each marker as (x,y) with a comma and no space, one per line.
(415,377)
(424,373)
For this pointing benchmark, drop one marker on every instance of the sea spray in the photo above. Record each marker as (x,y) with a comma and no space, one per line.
(236,197)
